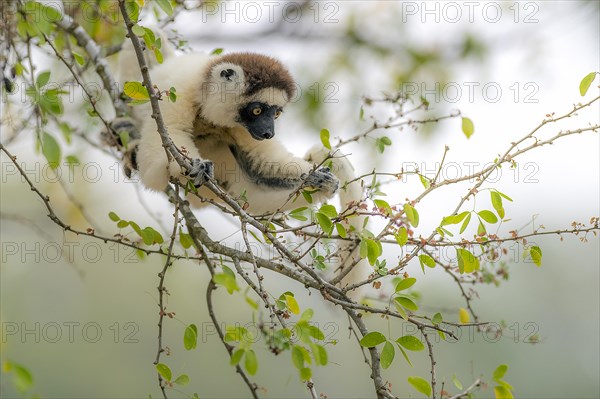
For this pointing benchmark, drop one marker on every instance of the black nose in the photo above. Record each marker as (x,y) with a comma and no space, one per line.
(267,135)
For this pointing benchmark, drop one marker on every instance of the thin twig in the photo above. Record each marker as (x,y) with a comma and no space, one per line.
(468,391)
(431,359)
(162,290)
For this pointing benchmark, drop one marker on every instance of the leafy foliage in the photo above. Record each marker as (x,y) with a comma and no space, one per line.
(389,236)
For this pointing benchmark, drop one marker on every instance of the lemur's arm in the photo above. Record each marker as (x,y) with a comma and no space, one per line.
(288,174)
(275,173)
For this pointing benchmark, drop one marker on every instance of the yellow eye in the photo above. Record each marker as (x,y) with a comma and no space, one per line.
(277,114)
(257,111)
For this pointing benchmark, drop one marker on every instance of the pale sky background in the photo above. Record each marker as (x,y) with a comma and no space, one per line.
(557,184)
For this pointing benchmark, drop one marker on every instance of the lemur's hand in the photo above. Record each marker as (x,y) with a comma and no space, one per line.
(201,171)
(323,180)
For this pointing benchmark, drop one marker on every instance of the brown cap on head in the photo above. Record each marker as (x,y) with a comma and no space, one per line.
(261,72)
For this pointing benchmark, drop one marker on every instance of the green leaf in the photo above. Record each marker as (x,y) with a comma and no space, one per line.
(133,10)
(297,214)
(437,318)
(316,333)
(421,385)
(405,355)
(51,102)
(467,127)
(307,314)
(586,83)
(373,250)
(297,357)
(536,255)
(164,371)
(497,203)
(454,219)
(467,262)
(320,354)
(124,136)
(159,56)
(250,362)
(113,216)
(382,204)
(185,240)
(426,260)
(387,355)
(481,229)
(381,143)
(137,92)
(372,339)
(363,249)
(23,379)
(424,181)
(147,236)
(135,227)
(217,51)
(42,79)
(401,236)
(173,94)
(386,140)
(122,224)
(501,392)
(401,310)
(341,230)
(156,236)
(190,337)
(328,210)
(406,303)
(411,214)
(292,305)
(465,223)
(456,382)
(183,379)
(138,30)
(488,216)
(166,6)
(19,69)
(78,58)
(305,373)
(325,223)
(236,356)
(325,138)
(51,150)
(505,196)
(405,284)
(227,280)
(253,304)
(72,160)
(499,372)
(411,343)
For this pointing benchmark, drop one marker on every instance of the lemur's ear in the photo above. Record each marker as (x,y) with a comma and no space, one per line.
(228,74)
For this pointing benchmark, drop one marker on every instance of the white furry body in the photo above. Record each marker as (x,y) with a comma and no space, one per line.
(249,174)
(270,156)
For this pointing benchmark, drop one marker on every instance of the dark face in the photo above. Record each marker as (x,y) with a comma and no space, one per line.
(259,119)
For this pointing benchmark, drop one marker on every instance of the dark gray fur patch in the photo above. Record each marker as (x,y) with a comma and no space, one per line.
(251,170)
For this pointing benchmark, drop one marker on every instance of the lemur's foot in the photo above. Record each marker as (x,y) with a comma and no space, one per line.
(125,136)
(202,170)
(323,180)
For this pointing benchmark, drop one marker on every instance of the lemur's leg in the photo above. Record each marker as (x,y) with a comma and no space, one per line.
(155,167)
